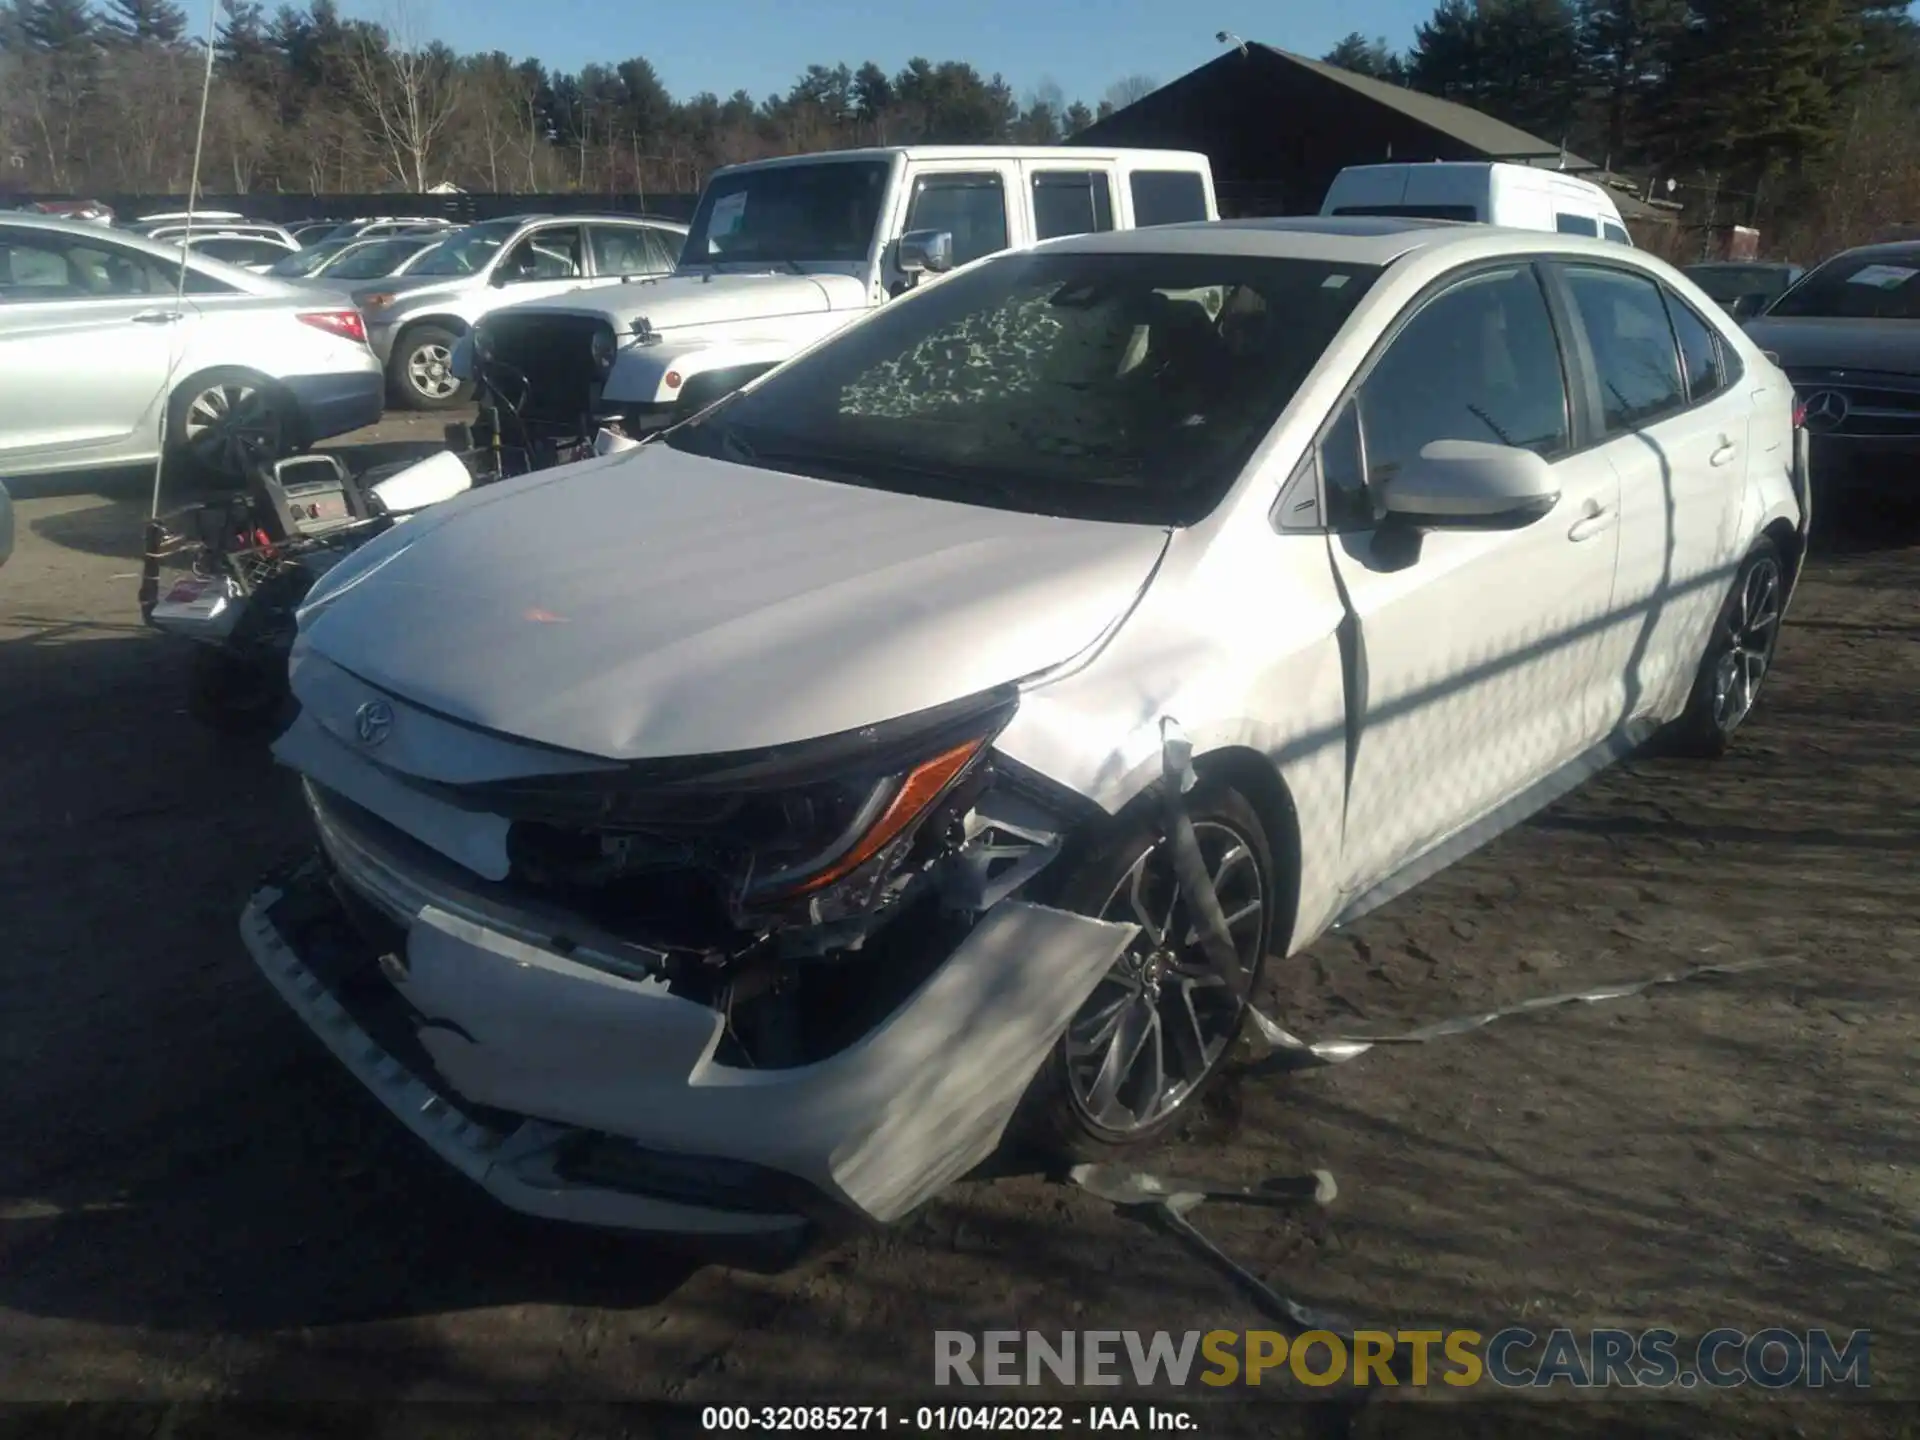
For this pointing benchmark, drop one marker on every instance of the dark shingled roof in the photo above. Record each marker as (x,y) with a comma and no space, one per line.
(1495,138)
(1460,130)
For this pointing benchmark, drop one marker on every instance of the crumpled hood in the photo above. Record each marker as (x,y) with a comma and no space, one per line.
(671,302)
(654,604)
(1886,346)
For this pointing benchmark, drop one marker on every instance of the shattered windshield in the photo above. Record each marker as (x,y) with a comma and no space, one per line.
(790,213)
(468,251)
(1127,387)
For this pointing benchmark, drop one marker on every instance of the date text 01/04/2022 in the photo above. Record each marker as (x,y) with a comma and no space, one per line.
(933,1419)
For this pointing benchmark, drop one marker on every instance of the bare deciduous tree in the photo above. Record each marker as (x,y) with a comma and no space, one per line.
(1125,92)
(410,91)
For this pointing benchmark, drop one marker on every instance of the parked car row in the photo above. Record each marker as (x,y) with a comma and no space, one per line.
(219,340)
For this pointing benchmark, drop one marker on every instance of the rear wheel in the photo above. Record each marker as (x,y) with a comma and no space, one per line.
(420,372)
(226,423)
(1739,655)
(1155,1031)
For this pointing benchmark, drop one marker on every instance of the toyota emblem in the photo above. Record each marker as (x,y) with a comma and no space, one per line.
(372,721)
(1825,410)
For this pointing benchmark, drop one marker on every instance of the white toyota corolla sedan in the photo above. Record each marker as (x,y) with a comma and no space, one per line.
(930,745)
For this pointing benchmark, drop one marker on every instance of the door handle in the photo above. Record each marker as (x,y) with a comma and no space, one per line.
(156,317)
(1725,453)
(1595,519)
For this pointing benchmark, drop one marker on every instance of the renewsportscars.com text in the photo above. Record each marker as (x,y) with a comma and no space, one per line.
(1513,1358)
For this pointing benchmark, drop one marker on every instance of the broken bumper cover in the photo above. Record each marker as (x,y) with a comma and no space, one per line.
(527,1061)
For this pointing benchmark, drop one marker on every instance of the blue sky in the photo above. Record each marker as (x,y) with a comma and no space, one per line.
(1081,45)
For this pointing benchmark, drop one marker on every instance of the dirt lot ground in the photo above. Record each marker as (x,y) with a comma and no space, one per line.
(195,1201)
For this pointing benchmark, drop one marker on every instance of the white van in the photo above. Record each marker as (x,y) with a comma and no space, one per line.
(1518,196)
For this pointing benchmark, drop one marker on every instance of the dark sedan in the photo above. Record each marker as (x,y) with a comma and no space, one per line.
(1848,336)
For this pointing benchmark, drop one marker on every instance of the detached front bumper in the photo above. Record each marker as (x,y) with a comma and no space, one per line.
(571,1092)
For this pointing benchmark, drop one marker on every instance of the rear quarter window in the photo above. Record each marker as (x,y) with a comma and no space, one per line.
(1568,224)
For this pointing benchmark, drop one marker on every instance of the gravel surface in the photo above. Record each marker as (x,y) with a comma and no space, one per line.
(195,1201)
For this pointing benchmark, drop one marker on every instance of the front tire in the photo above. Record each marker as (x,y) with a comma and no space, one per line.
(1739,654)
(420,372)
(1154,1033)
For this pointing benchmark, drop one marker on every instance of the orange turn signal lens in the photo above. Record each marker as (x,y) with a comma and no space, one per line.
(924,784)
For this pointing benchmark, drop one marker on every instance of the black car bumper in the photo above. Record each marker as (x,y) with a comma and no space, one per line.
(334,404)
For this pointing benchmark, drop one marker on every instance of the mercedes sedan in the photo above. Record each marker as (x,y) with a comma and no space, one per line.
(934,744)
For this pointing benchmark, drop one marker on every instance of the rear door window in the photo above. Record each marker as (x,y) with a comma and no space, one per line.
(1633,345)
(1167,197)
(1616,233)
(1703,359)
(1071,202)
(623,250)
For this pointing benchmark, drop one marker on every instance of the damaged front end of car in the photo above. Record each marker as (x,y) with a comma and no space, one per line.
(719,993)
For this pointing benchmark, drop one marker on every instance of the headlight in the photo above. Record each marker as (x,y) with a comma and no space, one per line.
(815,828)
(603,348)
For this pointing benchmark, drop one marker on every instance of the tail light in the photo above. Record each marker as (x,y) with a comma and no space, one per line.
(347,324)
(1799,413)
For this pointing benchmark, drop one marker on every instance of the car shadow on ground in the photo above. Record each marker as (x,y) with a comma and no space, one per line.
(182,1153)
(1863,523)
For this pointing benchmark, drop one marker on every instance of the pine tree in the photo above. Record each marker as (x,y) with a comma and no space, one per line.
(59,26)
(157,22)
(1373,58)
(1751,86)
(1624,49)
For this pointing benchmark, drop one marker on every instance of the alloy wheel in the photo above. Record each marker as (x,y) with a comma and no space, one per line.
(232,426)
(430,371)
(1748,641)
(1159,1021)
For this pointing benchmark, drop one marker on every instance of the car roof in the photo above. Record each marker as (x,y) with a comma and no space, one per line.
(133,240)
(1087,154)
(1907,251)
(597,217)
(1357,239)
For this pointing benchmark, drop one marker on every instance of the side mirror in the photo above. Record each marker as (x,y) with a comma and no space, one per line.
(926,251)
(1470,482)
